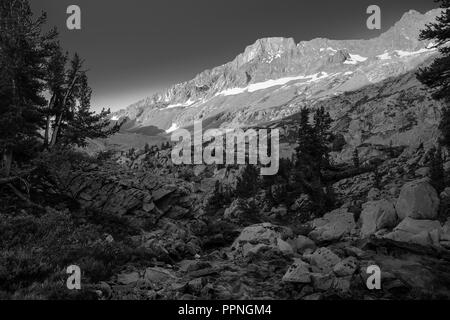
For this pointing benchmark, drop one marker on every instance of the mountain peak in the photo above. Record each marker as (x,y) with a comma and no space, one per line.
(275,61)
(266,46)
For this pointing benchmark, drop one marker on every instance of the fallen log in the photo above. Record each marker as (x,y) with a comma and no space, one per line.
(389,244)
(24,198)
(19,175)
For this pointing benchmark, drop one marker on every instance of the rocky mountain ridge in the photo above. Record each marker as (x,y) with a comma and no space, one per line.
(287,72)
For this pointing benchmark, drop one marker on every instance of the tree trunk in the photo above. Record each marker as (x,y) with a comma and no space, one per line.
(47,131)
(59,118)
(7,161)
(56,130)
(49,122)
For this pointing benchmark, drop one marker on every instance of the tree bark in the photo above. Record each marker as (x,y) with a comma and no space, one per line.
(60,115)
(7,161)
(48,123)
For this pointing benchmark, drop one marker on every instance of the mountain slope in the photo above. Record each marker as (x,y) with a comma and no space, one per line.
(275,77)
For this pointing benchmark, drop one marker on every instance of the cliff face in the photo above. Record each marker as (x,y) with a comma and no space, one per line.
(275,77)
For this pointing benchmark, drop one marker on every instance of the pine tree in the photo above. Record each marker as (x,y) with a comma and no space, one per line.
(391,150)
(312,150)
(355,158)
(312,156)
(81,123)
(70,105)
(376,178)
(67,101)
(55,81)
(437,175)
(247,183)
(24,48)
(307,142)
(215,202)
(322,125)
(437,75)
(444,127)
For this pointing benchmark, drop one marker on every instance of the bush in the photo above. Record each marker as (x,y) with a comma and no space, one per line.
(38,249)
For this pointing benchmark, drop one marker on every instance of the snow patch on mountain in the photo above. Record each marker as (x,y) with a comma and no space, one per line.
(384,56)
(402,53)
(355,59)
(172,128)
(328,49)
(179,105)
(273,83)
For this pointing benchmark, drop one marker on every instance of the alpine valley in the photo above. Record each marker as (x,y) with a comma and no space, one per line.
(368,86)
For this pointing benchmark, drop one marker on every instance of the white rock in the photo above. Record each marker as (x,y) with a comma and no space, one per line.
(346,267)
(128,278)
(423,232)
(377,215)
(298,272)
(157,274)
(324,259)
(302,243)
(333,225)
(263,235)
(417,200)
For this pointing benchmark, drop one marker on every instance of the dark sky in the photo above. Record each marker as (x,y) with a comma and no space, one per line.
(136,47)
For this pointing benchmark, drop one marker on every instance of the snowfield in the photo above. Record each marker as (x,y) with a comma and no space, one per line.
(355,59)
(172,128)
(273,83)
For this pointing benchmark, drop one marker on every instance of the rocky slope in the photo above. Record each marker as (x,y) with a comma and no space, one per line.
(275,77)
(248,250)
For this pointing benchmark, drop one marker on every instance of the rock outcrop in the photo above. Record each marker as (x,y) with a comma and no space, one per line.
(333,226)
(417,200)
(377,215)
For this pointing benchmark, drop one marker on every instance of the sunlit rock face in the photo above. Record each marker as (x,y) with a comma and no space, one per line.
(368,86)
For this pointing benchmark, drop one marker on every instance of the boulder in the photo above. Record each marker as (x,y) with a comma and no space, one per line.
(161,193)
(445,234)
(417,200)
(422,172)
(423,232)
(346,267)
(333,225)
(158,275)
(199,169)
(298,272)
(128,278)
(236,209)
(263,236)
(280,211)
(196,285)
(373,194)
(302,203)
(445,194)
(447,166)
(302,243)
(377,215)
(324,259)
(323,282)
